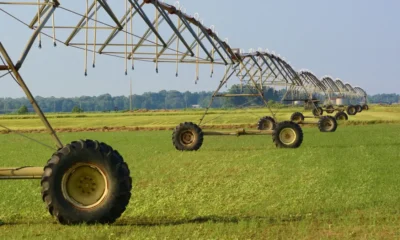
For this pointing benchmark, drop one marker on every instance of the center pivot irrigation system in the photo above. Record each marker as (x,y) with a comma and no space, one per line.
(88,181)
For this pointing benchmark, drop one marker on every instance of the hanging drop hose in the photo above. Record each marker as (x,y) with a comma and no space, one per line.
(95,33)
(156,19)
(212,51)
(86,36)
(196,17)
(177,49)
(126,38)
(40,35)
(132,42)
(54,30)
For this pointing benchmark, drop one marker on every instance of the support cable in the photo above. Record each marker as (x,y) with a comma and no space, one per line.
(25,136)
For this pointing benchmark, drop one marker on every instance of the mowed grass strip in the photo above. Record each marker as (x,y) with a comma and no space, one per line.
(166,120)
(339,185)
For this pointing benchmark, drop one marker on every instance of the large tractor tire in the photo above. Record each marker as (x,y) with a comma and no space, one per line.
(365,107)
(351,110)
(297,117)
(330,109)
(86,182)
(187,137)
(341,116)
(359,108)
(318,112)
(266,123)
(287,135)
(327,124)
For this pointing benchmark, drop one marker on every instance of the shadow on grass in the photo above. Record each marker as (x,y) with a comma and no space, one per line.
(348,146)
(137,221)
(156,222)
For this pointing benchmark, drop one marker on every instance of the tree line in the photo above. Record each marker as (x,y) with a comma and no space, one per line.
(160,100)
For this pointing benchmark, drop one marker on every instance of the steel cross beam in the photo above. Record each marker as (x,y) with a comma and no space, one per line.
(173,38)
(268,65)
(196,37)
(176,31)
(272,59)
(205,32)
(107,8)
(28,47)
(138,8)
(192,46)
(81,23)
(224,80)
(145,36)
(29,95)
(260,92)
(40,14)
(284,69)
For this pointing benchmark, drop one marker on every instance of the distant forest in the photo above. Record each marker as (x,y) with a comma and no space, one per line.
(161,100)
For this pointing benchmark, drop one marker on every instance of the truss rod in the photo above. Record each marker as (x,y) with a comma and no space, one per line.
(34,35)
(139,9)
(116,31)
(107,8)
(176,31)
(30,96)
(41,10)
(196,37)
(81,23)
(145,36)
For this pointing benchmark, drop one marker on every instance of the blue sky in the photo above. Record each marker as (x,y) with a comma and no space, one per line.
(355,40)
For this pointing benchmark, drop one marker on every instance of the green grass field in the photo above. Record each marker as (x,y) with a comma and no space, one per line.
(342,185)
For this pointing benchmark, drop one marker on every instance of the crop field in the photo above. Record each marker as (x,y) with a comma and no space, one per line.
(342,185)
(163,120)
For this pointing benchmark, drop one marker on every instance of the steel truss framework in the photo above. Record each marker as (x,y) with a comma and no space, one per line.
(156,32)
(89,182)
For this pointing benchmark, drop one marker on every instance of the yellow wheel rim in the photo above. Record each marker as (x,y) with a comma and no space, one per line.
(287,136)
(187,137)
(328,124)
(341,118)
(267,125)
(85,185)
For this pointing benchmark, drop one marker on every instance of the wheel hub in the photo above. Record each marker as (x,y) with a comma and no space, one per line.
(84,185)
(267,125)
(187,137)
(328,124)
(287,136)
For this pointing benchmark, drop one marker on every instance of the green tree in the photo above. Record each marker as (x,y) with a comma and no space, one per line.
(77,109)
(23,110)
